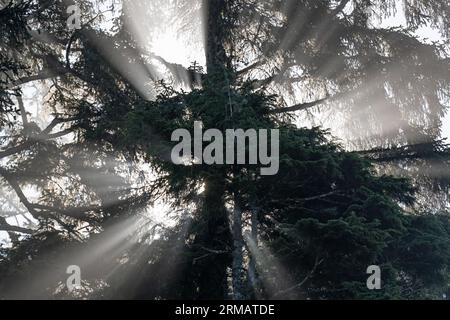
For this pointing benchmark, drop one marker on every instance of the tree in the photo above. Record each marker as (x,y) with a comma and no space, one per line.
(310,231)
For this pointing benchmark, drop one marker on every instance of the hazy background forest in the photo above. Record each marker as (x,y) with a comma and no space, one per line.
(358,89)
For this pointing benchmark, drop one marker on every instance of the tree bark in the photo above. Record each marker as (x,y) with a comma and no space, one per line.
(215,235)
(216,36)
(214,214)
(252,272)
(238,254)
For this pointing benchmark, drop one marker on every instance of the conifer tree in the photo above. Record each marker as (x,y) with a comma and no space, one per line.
(308,232)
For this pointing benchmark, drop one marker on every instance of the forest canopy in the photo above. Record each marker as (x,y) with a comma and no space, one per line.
(91,92)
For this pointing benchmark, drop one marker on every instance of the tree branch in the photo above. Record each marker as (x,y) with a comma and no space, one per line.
(42,75)
(319,196)
(23,111)
(44,135)
(15,185)
(317,263)
(308,105)
(426,150)
(77,213)
(5,226)
(298,107)
(250,67)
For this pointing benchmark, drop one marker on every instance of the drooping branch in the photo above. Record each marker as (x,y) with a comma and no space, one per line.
(37,210)
(78,213)
(18,190)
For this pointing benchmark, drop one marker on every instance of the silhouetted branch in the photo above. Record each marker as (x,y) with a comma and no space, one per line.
(322,196)
(44,135)
(42,75)
(427,150)
(250,67)
(308,105)
(18,190)
(5,226)
(299,107)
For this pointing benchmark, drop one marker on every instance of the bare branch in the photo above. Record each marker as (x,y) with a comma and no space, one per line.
(308,105)
(250,67)
(299,107)
(326,195)
(215,251)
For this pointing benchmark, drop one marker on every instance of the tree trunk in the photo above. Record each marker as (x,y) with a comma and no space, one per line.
(215,236)
(238,254)
(252,272)
(214,214)
(216,36)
